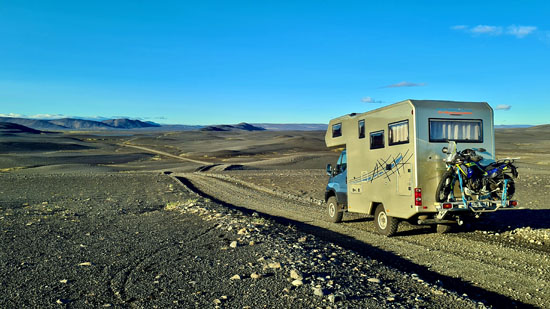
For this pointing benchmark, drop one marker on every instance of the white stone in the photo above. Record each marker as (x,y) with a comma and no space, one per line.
(297,282)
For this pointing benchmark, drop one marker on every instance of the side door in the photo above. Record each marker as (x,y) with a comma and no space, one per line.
(340,179)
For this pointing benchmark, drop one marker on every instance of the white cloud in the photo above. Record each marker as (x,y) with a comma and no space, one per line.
(405,84)
(59,116)
(37,116)
(520,31)
(503,107)
(370,100)
(47,116)
(485,29)
(12,115)
(459,27)
(513,30)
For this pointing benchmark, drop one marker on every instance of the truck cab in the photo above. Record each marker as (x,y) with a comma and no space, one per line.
(336,192)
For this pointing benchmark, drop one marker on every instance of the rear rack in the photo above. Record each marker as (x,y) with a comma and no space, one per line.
(477,207)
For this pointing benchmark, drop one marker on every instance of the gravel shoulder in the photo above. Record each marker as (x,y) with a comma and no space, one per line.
(482,263)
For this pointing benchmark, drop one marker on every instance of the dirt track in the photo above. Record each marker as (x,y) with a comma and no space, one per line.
(474,262)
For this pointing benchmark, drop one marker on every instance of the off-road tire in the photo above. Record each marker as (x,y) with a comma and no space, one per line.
(497,195)
(443,228)
(444,187)
(385,225)
(334,211)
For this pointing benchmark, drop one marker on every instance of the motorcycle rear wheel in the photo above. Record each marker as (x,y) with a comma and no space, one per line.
(497,187)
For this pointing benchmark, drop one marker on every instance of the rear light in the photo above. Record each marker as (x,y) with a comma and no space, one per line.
(417,197)
(513,203)
(447,205)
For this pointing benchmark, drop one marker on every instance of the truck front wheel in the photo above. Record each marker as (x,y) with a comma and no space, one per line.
(334,212)
(385,225)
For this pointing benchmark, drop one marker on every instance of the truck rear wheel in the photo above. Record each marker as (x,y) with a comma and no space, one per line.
(335,214)
(385,225)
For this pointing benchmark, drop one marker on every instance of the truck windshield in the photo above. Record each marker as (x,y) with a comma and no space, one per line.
(467,130)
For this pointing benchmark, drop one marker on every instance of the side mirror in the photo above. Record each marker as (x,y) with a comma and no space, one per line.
(329,169)
(445,150)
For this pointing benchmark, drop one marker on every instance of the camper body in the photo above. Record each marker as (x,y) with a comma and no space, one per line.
(394,161)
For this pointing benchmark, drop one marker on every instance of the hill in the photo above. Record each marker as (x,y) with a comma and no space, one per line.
(124,123)
(34,123)
(243,126)
(80,124)
(10,128)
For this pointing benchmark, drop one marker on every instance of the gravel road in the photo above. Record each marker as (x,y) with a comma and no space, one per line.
(483,264)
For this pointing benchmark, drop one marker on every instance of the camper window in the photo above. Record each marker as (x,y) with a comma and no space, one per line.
(377,139)
(361,126)
(467,130)
(398,133)
(337,130)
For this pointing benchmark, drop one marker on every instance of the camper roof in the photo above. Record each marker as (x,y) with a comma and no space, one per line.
(417,104)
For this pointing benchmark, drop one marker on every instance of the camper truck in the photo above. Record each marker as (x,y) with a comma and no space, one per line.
(392,162)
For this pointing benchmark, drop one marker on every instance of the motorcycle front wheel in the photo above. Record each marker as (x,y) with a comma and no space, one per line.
(445,187)
(497,187)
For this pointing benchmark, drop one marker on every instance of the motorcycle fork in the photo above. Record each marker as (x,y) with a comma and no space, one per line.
(452,185)
(461,188)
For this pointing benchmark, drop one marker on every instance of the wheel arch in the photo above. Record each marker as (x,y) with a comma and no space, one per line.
(373,206)
(330,193)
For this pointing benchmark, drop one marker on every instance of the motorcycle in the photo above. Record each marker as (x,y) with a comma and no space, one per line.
(494,181)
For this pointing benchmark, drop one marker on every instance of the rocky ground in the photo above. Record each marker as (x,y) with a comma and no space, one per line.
(144,240)
(92,221)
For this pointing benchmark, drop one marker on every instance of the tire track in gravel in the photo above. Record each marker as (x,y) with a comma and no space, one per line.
(119,281)
(492,271)
(163,153)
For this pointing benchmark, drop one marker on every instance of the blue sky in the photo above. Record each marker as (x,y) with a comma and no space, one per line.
(206,62)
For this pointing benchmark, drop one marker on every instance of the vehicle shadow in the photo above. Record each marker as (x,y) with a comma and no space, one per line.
(508,220)
(352,220)
(388,258)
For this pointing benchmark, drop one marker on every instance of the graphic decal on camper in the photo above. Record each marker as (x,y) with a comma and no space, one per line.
(385,168)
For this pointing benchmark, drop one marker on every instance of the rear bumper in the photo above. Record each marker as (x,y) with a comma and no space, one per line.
(472,207)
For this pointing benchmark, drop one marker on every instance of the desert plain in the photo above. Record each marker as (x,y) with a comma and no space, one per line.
(236,219)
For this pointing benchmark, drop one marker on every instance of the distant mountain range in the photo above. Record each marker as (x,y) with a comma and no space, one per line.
(292,126)
(129,124)
(79,124)
(65,124)
(512,126)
